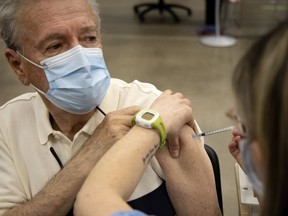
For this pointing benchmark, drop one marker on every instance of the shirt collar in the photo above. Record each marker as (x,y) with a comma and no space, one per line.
(43,124)
(44,127)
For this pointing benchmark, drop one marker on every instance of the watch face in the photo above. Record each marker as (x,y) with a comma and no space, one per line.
(147,116)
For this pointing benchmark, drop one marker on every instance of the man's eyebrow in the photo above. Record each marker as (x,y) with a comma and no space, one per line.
(47,38)
(88,29)
(54,36)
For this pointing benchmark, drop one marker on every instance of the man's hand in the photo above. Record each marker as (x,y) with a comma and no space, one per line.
(114,126)
(175,111)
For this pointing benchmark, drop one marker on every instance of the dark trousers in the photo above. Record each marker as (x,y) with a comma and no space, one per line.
(210,12)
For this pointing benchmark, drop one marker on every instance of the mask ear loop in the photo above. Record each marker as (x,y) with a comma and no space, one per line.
(39,66)
(249,167)
(40,91)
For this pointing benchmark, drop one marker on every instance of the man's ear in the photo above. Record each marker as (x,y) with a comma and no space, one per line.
(17,64)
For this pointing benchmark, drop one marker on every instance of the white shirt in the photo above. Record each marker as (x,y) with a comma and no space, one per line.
(26,135)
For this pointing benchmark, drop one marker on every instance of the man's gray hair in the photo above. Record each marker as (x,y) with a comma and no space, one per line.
(10,29)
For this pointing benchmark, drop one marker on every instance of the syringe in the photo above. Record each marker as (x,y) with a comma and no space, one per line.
(213,132)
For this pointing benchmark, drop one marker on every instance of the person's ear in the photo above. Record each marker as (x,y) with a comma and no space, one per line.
(17,65)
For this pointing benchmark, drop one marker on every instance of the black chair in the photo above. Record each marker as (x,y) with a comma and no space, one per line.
(216,168)
(161,6)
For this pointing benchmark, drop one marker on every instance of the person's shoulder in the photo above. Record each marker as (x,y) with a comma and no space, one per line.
(135,85)
(19,101)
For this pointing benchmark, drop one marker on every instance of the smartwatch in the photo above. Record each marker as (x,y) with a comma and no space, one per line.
(148,118)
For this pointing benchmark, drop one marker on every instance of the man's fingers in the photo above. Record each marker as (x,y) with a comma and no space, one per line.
(123,116)
(168,92)
(174,147)
(129,110)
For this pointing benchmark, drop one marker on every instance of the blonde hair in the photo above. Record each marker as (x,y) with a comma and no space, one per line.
(260,83)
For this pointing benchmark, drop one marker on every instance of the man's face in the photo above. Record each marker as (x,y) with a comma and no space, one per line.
(52,27)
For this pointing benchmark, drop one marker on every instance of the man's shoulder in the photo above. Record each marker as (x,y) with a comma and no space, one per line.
(19,102)
(122,94)
(134,85)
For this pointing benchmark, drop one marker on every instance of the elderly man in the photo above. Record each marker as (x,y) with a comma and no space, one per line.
(51,139)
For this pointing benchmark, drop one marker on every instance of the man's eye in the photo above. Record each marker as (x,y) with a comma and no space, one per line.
(54,47)
(90,39)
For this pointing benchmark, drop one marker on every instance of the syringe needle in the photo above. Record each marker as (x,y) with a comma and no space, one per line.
(213,132)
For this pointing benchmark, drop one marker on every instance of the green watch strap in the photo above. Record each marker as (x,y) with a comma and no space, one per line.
(160,127)
(157,124)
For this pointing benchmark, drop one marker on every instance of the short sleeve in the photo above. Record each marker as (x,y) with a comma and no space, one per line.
(129,213)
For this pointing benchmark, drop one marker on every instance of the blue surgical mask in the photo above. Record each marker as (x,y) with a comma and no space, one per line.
(78,79)
(249,167)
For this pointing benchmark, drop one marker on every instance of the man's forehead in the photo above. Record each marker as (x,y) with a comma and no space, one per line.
(48,11)
(43,17)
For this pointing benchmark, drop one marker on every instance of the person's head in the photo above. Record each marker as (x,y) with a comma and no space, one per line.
(39,29)
(36,30)
(260,83)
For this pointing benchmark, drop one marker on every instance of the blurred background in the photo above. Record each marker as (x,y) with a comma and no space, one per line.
(170,55)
